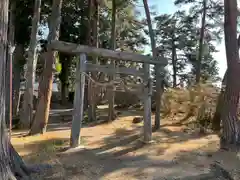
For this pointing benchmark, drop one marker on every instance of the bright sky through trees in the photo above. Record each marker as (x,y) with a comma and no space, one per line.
(167,6)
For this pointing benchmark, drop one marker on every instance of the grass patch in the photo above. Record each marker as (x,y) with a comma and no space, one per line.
(57,144)
(53,146)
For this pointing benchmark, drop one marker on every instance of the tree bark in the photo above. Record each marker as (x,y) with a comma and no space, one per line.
(11,46)
(5,168)
(27,114)
(64,92)
(111,94)
(91,115)
(216,121)
(200,53)
(65,62)
(18,61)
(11,165)
(93,41)
(231,129)
(174,62)
(84,40)
(42,112)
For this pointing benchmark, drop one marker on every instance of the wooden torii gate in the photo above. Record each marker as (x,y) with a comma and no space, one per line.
(83,67)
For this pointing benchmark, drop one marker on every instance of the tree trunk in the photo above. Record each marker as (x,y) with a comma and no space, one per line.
(42,112)
(83,39)
(174,63)
(154,52)
(65,62)
(5,167)
(91,114)
(18,61)
(111,94)
(11,165)
(229,118)
(199,60)
(11,30)
(231,129)
(216,121)
(27,114)
(8,91)
(94,23)
(64,93)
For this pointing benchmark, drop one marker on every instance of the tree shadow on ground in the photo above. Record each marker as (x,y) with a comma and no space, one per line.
(130,140)
(57,125)
(57,116)
(123,152)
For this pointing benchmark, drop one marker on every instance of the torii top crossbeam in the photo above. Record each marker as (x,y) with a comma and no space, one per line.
(72,48)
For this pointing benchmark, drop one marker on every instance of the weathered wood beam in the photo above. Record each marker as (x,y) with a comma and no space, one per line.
(137,91)
(128,87)
(147,128)
(158,95)
(72,48)
(78,103)
(120,89)
(110,69)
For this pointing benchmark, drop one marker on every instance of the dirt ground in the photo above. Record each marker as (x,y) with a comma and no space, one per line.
(115,151)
